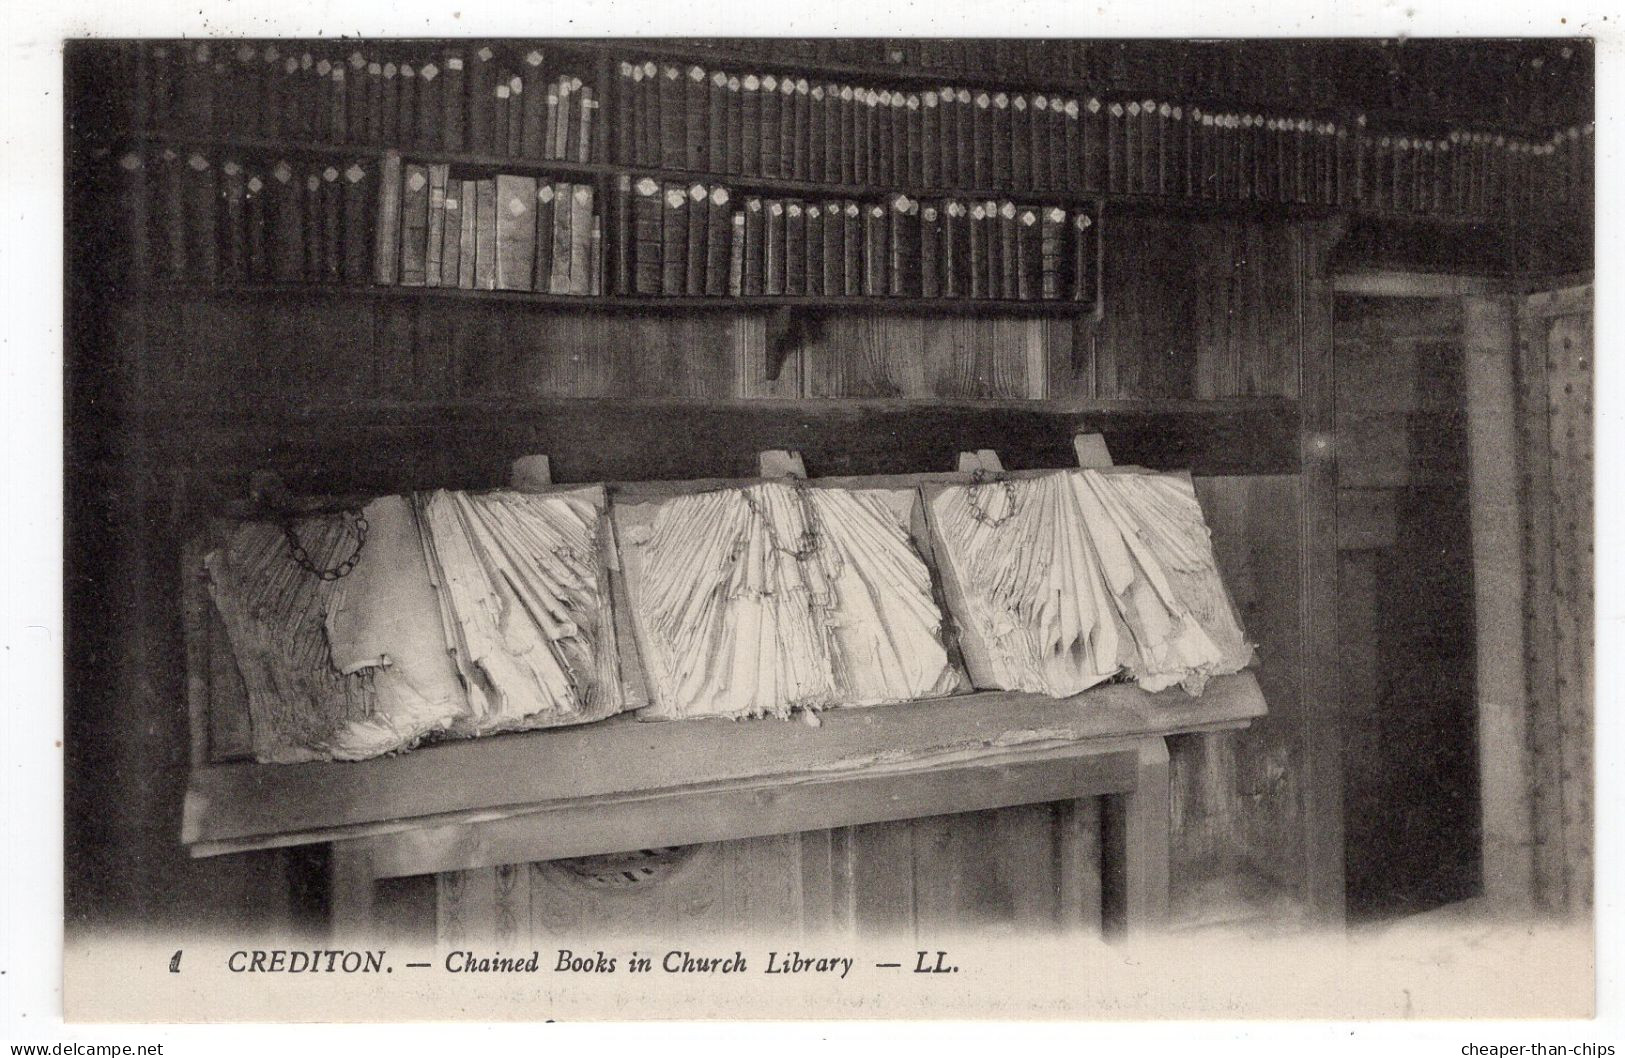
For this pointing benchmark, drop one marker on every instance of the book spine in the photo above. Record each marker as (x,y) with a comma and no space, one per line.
(931,140)
(1083,258)
(233,257)
(813,258)
(1029,256)
(558,281)
(584,251)
(623,132)
(697,230)
(978,259)
(454,95)
(773,270)
(431,105)
(202,238)
(801,160)
(386,245)
(414,224)
(375,101)
(852,245)
(787,126)
(768,134)
(533,105)
(1009,261)
(313,217)
(948,138)
(982,141)
(255,207)
(589,118)
(332,226)
(930,251)
(674,240)
(482,83)
(716,122)
(755,253)
(834,254)
(718,241)
(734,138)
(516,231)
(874,251)
(406,98)
(649,227)
(290,227)
(696,131)
(750,133)
(1019,173)
(795,249)
(553,118)
(954,278)
(673,119)
(547,206)
(620,204)
(817,158)
(1052,256)
(502,112)
(436,237)
(451,234)
(485,235)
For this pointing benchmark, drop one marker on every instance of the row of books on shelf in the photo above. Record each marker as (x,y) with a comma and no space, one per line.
(543,105)
(699,240)
(195,217)
(454,99)
(507,232)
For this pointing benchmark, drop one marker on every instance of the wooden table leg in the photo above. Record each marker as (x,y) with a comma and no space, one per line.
(1135,839)
(351,891)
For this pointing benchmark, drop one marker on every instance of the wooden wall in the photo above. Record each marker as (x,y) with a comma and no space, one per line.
(1213,355)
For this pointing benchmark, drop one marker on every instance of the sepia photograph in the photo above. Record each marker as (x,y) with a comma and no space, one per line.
(817,527)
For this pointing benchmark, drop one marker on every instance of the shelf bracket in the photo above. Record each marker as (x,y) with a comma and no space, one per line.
(789,328)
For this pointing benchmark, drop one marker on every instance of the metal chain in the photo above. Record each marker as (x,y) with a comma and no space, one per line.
(358,525)
(980,477)
(811,531)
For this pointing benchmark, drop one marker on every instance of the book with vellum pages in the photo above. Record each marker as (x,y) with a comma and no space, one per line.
(336,669)
(524,596)
(768,598)
(464,614)
(1065,580)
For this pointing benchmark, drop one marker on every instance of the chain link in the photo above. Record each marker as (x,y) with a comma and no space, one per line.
(978,513)
(358,525)
(811,529)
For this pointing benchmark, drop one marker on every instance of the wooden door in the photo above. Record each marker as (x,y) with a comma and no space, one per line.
(1405,607)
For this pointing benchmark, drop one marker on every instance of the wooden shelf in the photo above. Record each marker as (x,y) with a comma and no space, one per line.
(614,302)
(594,768)
(1132,200)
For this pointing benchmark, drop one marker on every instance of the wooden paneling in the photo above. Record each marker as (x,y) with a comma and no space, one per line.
(1025,869)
